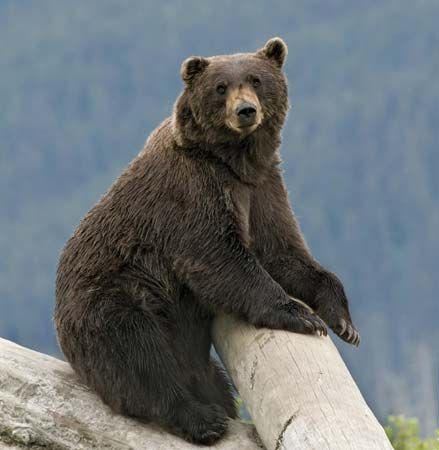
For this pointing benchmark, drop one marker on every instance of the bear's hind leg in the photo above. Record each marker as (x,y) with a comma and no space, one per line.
(220,379)
(215,388)
(197,422)
(123,352)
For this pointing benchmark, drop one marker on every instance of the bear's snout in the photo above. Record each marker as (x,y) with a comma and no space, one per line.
(246,113)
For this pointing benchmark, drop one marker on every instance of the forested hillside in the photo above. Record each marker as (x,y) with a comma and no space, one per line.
(82,84)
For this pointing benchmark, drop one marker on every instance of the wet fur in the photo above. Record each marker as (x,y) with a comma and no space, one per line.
(199,223)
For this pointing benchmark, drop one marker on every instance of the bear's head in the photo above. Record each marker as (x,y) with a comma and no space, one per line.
(229,98)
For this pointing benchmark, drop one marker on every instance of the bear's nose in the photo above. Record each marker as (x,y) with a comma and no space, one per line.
(246,111)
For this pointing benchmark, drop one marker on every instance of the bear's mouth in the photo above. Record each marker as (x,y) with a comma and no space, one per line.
(248,128)
(242,129)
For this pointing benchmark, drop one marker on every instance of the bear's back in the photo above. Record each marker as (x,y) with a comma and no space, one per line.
(143,209)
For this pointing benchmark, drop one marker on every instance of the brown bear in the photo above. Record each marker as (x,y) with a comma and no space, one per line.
(199,223)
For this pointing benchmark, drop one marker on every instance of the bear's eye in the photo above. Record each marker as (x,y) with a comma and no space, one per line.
(221,88)
(256,82)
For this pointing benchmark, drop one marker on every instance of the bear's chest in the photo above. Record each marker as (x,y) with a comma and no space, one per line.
(238,199)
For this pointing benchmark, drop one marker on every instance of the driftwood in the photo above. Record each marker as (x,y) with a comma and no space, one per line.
(43,406)
(297,389)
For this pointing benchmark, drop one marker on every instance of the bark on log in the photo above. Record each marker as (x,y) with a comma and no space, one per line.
(43,406)
(297,389)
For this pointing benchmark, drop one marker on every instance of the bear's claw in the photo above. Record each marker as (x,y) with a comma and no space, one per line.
(347,332)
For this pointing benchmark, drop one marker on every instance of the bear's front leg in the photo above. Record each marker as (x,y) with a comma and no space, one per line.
(291,316)
(305,279)
(280,246)
(331,304)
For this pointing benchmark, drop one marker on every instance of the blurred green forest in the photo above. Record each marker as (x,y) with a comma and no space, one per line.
(404,434)
(82,84)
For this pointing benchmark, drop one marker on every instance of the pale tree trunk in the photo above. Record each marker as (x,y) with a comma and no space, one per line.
(44,407)
(297,389)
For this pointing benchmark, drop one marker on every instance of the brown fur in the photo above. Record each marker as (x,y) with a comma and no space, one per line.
(199,223)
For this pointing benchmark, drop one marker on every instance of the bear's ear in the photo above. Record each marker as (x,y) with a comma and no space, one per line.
(192,67)
(276,50)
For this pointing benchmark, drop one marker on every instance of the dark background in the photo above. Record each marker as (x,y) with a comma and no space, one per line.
(83,83)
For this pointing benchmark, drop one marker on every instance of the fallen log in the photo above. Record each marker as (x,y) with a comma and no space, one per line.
(44,406)
(297,389)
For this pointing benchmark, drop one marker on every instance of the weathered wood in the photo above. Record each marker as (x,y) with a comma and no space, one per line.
(43,406)
(297,389)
